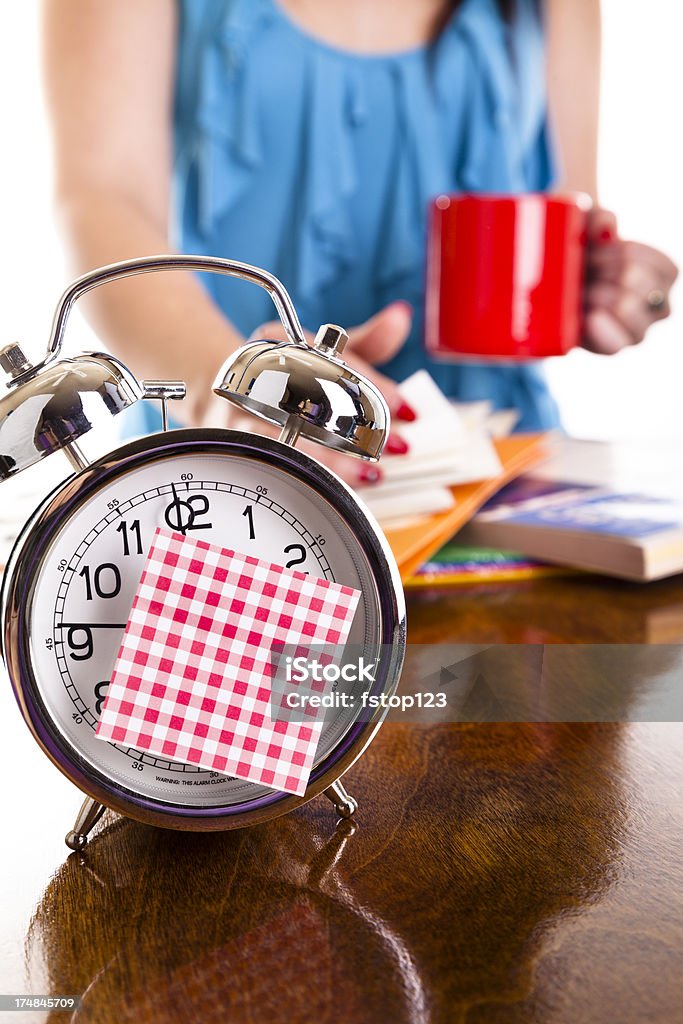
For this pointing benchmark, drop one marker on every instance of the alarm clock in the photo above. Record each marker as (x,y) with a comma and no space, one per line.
(71,578)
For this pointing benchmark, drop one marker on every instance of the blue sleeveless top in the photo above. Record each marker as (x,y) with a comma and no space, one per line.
(318,164)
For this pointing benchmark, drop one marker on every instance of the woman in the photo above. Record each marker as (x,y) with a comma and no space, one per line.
(307,137)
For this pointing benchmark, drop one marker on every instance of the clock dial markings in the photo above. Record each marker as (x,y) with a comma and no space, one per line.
(292,525)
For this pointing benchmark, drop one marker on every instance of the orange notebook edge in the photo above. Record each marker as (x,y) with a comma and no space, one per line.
(413,545)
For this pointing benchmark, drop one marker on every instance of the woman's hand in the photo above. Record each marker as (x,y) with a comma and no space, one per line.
(375,341)
(627,287)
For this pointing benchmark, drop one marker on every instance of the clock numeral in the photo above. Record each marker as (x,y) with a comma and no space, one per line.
(80,651)
(105,574)
(182,513)
(133,528)
(300,555)
(100,695)
(249,513)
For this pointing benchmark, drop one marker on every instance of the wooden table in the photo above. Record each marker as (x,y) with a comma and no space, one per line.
(496,873)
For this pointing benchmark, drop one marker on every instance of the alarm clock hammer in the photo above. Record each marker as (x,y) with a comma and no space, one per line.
(71,578)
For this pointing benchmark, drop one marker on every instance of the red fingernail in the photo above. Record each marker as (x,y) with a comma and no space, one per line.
(396,445)
(402,304)
(606,235)
(405,412)
(370,475)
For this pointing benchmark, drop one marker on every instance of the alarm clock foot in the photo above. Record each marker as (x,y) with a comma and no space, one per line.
(343,802)
(88,816)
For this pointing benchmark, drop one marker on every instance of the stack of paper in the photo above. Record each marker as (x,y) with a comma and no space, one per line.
(448,445)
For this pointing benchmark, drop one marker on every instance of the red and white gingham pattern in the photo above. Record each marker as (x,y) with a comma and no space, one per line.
(192,679)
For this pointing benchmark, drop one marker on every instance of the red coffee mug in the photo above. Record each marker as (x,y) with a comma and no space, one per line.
(505,276)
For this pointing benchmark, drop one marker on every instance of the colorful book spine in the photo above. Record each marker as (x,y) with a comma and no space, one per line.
(456,564)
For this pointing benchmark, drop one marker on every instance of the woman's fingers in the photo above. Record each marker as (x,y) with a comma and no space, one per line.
(375,341)
(627,287)
(381,337)
(273,330)
(631,316)
(604,334)
(631,264)
(602,225)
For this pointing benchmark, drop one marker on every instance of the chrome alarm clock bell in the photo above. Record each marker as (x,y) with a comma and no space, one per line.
(309,392)
(73,573)
(50,407)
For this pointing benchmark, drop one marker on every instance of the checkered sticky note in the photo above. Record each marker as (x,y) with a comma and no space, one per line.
(192,681)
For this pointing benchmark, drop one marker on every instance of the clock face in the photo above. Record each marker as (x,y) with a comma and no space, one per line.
(79,598)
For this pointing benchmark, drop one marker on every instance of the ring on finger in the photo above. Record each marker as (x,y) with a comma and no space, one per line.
(656,300)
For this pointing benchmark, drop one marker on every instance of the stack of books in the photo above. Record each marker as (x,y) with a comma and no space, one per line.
(624,534)
(457,564)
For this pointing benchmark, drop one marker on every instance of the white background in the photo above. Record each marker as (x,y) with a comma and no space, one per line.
(636,394)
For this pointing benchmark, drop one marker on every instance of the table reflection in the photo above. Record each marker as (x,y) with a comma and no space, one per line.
(472,842)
